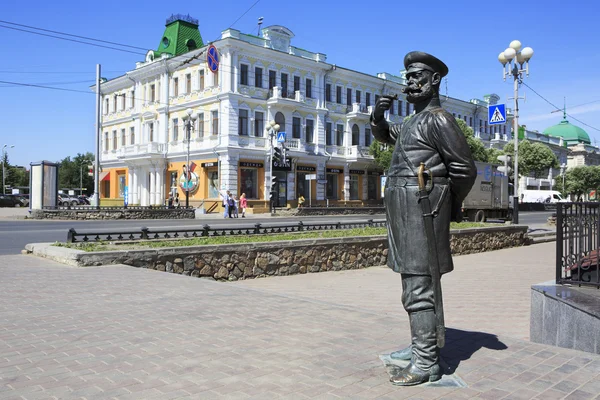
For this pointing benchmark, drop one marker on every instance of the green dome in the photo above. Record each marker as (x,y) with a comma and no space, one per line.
(571,134)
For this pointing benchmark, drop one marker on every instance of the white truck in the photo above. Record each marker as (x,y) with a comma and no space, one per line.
(542,196)
(489,198)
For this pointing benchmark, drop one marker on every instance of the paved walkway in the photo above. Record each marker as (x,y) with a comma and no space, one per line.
(127,333)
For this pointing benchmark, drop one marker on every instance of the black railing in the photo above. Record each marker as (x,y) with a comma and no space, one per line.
(577,244)
(206,231)
(102,208)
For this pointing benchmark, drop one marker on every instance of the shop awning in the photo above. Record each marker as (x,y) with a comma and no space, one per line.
(104,176)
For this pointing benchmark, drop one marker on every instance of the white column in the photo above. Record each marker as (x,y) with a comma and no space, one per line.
(160,186)
(152,186)
(134,189)
(144,190)
(129,186)
(346,182)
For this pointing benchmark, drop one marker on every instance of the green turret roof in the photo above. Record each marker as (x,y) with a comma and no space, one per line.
(571,134)
(181,35)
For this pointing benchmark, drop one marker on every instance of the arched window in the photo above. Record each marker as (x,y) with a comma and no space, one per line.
(355,135)
(280,119)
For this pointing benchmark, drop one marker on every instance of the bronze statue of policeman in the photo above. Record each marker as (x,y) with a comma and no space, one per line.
(430,174)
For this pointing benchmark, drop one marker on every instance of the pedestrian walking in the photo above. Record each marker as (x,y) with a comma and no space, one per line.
(236,207)
(170,201)
(243,204)
(225,204)
(176,203)
(230,205)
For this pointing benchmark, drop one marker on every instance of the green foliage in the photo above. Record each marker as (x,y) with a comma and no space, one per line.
(580,180)
(15,176)
(73,172)
(534,158)
(478,150)
(382,154)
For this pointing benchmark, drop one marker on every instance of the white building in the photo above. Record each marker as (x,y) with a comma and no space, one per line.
(323,109)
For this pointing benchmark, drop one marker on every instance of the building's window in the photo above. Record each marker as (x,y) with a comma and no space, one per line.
(353,187)
(173,182)
(332,186)
(296,128)
(215,122)
(310,129)
(200,129)
(132,98)
(243,123)
(349,96)
(105,141)
(216,78)
(249,182)
(153,93)
(259,124)
(201,80)
(328,134)
(123,138)
(407,108)
(258,77)
(296,84)
(392,107)
(372,187)
(175,129)
(106,187)
(400,109)
(376,99)
(504,129)
(114,140)
(132,135)
(358,96)
(367,136)
(367,99)
(485,127)
(115,103)
(121,181)
(328,92)
(338,94)
(151,132)
(302,185)
(339,135)
(284,84)
(188,83)
(355,135)
(243,74)
(272,79)
(309,88)
(213,184)
(123,99)
(106,100)
(175,87)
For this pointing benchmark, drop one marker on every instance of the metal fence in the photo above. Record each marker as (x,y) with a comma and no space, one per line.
(206,231)
(577,243)
(102,208)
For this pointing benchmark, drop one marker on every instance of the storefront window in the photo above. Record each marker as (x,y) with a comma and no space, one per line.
(213,184)
(249,183)
(353,187)
(372,187)
(302,185)
(173,182)
(332,186)
(121,180)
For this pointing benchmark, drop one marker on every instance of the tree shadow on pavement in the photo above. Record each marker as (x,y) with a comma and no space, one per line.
(461,345)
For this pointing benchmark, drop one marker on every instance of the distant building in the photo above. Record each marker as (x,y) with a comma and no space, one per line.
(322,108)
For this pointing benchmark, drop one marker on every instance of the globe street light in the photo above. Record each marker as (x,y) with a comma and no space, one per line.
(189,119)
(513,59)
(3,169)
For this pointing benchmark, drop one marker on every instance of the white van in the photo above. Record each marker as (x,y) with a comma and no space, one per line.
(542,196)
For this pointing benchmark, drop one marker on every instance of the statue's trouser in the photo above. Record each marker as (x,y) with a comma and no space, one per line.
(417,298)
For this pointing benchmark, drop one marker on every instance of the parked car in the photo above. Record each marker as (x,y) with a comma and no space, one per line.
(8,200)
(23,200)
(84,200)
(65,200)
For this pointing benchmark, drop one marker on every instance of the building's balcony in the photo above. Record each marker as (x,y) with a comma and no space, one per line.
(283,98)
(339,151)
(358,110)
(356,152)
(250,142)
(254,92)
(140,150)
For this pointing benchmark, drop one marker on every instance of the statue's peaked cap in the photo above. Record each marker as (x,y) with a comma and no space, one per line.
(418,60)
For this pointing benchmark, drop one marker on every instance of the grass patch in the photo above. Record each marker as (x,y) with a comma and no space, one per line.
(204,241)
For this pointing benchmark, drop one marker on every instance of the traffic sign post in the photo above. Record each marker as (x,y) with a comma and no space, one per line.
(497,114)
(212,59)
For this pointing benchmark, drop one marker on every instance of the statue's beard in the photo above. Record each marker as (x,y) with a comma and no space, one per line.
(414,94)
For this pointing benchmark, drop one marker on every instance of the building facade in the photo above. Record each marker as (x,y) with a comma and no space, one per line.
(323,109)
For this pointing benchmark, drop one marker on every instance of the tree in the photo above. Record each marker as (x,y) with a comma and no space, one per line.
(382,154)
(73,172)
(16,177)
(580,180)
(478,150)
(534,158)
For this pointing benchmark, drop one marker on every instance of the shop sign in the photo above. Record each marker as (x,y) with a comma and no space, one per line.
(335,170)
(251,164)
(357,172)
(209,164)
(307,169)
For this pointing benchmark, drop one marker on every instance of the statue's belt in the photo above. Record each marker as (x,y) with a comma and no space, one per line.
(401,181)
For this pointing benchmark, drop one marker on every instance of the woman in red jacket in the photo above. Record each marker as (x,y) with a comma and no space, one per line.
(243,204)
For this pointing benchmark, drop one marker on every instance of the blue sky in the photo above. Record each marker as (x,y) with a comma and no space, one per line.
(47,124)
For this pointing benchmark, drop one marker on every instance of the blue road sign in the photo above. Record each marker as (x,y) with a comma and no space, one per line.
(496,114)
(212,58)
(281,137)
(126,195)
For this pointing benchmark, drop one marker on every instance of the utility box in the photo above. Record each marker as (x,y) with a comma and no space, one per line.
(43,185)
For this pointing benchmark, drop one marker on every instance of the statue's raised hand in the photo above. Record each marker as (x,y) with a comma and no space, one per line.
(383,104)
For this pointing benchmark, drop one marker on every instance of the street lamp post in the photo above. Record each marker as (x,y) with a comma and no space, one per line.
(4,152)
(274,128)
(189,118)
(521,59)
(563,169)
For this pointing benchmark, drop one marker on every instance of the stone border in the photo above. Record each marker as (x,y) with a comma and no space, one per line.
(124,213)
(255,260)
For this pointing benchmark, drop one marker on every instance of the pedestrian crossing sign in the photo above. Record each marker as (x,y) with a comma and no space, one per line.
(496,114)
(281,137)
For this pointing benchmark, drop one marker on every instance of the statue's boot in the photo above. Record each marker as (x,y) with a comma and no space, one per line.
(404,354)
(425,364)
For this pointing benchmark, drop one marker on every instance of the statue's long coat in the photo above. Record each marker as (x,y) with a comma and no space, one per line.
(433,137)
